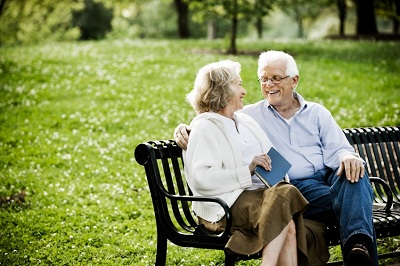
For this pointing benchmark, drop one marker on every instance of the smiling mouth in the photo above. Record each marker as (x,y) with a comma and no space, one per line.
(273,92)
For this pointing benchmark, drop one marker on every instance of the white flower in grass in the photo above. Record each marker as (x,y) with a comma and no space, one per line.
(56,135)
(66,157)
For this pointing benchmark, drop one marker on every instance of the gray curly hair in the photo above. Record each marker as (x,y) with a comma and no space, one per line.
(213,88)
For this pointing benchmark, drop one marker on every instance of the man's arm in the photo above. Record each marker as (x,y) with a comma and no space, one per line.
(181,135)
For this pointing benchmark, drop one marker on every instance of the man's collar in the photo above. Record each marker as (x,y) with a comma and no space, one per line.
(297,96)
(303,103)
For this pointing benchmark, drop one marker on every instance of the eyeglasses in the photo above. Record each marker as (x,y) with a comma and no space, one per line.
(275,80)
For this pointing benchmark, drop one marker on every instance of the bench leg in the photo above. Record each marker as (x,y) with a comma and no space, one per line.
(230,258)
(161,250)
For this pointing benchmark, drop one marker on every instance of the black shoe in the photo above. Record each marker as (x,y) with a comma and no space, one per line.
(359,255)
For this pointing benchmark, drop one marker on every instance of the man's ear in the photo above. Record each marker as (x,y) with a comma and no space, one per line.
(295,81)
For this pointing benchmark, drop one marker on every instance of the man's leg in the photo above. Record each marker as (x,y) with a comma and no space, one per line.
(325,190)
(318,194)
(352,203)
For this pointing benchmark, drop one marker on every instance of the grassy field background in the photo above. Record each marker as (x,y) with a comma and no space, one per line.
(71,115)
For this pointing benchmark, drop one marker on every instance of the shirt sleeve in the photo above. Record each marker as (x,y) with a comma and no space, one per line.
(334,142)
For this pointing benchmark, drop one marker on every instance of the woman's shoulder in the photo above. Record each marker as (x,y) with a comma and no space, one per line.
(204,120)
(242,117)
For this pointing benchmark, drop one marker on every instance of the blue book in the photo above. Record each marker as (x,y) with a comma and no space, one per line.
(280,167)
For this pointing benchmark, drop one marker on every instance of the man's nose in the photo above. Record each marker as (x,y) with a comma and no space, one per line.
(268,83)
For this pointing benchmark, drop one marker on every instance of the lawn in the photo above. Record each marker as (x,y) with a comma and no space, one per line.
(71,115)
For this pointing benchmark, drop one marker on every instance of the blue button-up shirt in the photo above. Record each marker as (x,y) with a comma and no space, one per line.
(311,141)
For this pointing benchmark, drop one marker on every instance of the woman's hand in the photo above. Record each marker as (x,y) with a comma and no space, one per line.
(262,160)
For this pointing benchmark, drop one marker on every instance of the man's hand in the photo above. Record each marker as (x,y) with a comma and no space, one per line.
(181,135)
(353,167)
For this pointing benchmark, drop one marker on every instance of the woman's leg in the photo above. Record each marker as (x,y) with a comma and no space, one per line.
(283,249)
(288,254)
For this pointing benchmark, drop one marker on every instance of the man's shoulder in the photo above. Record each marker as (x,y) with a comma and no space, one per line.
(249,108)
(316,107)
(309,106)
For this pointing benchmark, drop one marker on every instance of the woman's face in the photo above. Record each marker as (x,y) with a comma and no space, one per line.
(236,103)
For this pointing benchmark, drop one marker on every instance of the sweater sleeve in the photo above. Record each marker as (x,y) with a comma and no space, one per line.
(212,165)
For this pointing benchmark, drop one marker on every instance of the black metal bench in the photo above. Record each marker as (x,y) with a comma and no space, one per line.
(171,197)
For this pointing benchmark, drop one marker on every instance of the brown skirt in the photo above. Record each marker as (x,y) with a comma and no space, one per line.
(259,216)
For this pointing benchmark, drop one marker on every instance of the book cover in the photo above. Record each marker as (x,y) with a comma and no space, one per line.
(280,166)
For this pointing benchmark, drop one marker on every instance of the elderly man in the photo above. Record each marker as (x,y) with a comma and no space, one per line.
(325,168)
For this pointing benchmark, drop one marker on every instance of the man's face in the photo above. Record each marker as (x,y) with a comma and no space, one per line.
(278,87)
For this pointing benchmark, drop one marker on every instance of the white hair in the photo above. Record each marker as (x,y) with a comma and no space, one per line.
(268,57)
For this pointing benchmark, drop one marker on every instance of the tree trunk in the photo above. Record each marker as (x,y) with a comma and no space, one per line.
(233,48)
(2,4)
(366,21)
(396,22)
(299,19)
(182,10)
(234,27)
(211,29)
(259,27)
(342,8)
(301,28)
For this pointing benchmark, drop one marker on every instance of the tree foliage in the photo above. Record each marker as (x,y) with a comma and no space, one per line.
(302,10)
(94,20)
(37,21)
(33,21)
(233,10)
(389,9)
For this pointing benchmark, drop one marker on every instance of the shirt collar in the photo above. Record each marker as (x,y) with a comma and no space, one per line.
(302,101)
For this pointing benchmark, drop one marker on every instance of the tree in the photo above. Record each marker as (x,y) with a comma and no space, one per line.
(233,10)
(261,9)
(2,4)
(342,11)
(34,21)
(94,20)
(396,19)
(182,9)
(389,9)
(366,21)
(301,10)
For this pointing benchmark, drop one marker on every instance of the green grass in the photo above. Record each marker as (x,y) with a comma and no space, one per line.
(71,115)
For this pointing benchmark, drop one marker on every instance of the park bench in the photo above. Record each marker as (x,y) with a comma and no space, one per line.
(171,197)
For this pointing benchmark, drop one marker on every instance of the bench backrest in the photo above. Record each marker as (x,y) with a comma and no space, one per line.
(162,160)
(163,165)
(164,170)
(379,147)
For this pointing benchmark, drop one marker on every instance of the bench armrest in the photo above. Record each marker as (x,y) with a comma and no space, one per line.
(387,190)
(221,202)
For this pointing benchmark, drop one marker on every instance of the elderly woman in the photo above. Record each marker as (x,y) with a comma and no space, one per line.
(223,151)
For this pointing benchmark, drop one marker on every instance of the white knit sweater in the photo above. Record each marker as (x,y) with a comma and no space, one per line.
(214,164)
